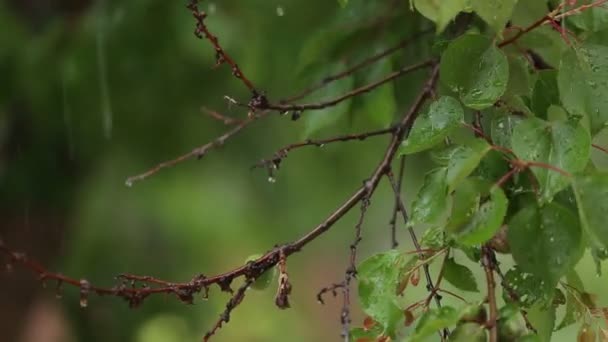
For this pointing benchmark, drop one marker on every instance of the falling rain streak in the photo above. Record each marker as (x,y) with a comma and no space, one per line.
(106,104)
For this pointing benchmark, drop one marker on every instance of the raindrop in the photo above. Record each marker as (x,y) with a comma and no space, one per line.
(272,179)
(552,239)
(212,8)
(59,289)
(129,183)
(85,287)
(280,11)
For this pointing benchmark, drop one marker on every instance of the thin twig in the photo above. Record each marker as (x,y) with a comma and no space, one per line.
(234,301)
(198,152)
(487,260)
(429,282)
(275,161)
(393,221)
(284,107)
(220,117)
(349,71)
(220,54)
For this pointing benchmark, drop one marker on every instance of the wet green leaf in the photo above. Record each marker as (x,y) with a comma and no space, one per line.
(459,276)
(563,145)
(591,193)
(583,83)
(434,125)
(431,201)
(545,241)
(440,12)
(476,69)
(378,278)
(434,320)
(496,12)
(485,222)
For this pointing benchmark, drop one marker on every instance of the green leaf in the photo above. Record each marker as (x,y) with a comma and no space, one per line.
(464,159)
(431,201)
(440,11)
(544,41)
(542,319)
(378,278)
(511,324)
(486,221)
(433,126)
(528,288)
(591,193)
(433,238)
(520,79)
(318,119)
(526,12)
(379,104)
(434,320)
(496,12)
(502,128)
(593,19)
(465,202)
(545,241)
(476,69)
(459,276)
(564,145)
(343,3)
(574,310)
(545,93)
(583,83)
(468,332)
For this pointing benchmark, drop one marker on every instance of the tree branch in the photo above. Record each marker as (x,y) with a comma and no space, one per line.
(488,262)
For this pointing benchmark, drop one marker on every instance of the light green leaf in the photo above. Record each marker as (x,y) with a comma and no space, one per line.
(343,3)
(318,119)
(545,93)
(464,159)
(459,276)
(434,320)
(433,126)
(431,201)
(591,193)
(379,104)
(527,12)
(545,241)
(495,12)
(529,288)
(378,278)
(574,310)
(583,83)
(433,238)
(440,11)
(468,332)
(465,203)
(564,145)
(476,69)
(542,318)
(486,221)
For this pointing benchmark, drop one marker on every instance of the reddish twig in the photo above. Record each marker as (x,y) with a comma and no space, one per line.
(393,221)
(235,300)
(284,107)
(274,163)
(349,71)
(220,117)
(221,56)
(600,148)
(487,260)
(198,152)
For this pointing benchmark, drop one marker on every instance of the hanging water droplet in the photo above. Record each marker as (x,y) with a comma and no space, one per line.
(85,287)
(280,11)
(129,183)
(271,179)
(212,8)
(59,289)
